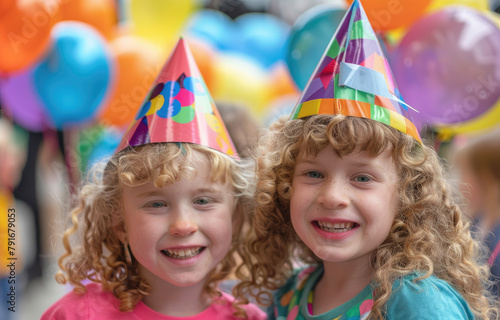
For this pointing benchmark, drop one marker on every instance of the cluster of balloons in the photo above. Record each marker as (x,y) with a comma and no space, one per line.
(87,65)
(445,56)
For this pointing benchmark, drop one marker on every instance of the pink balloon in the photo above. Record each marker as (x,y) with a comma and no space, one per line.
(20,101)
(448,65)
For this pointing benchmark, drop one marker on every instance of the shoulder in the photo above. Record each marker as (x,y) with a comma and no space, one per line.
(223,307)
(82,306)
(288,296)
(429,298)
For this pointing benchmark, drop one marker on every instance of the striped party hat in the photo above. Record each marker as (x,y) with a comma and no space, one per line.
(353,78)
(179,108)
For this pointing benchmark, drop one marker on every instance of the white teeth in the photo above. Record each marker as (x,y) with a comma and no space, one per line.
(183,253)
(335,227)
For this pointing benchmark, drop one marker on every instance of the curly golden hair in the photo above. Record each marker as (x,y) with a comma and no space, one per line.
(429,233)
(100,256)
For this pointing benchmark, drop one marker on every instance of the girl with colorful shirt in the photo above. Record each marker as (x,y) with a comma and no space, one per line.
(354,216)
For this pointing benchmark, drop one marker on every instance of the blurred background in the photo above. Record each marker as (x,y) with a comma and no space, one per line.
(73,74)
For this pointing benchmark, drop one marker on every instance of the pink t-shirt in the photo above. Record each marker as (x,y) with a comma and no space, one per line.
(99,304)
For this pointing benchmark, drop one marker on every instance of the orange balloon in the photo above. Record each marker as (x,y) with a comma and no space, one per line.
(204,55)
(138,64)
(25,33)
(6,5)
(391,14)
(281,81)
(101,14)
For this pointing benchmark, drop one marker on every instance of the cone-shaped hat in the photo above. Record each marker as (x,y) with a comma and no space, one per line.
(179,108)
(353,78)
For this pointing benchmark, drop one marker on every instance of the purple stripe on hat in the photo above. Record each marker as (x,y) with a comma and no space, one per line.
(141,134)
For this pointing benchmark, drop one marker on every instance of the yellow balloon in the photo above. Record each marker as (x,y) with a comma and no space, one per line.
(160,20)
(438,4)
(240,80)
(484,122)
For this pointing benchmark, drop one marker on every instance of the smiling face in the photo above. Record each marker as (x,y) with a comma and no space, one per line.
(180,232)
(343,208)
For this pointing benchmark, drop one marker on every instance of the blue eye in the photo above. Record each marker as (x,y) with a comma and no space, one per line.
(202,201)
(363,179)
(156,204)
(314,174)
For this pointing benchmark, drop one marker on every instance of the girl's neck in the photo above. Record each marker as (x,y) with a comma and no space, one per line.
(176,301)
(340,283)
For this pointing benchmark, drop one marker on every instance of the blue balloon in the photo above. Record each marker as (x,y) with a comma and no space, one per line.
(213,27)
(105,147)
(262,37)
(308,40)
(74,77)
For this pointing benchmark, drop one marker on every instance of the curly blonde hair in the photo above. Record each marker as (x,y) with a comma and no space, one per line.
(100,256)
(429,233)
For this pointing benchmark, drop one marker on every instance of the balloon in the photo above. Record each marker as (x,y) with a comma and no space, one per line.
(6,5)
(97,143)
(21,102)
(138,63)
(263,37)
(238,79)
(488,120)
(160,20)
(101,14)
(290,10)
(308,40)
(75,76)
(212,27)
(448,67)
(439,4)
(204,55)
(25,33)
(281,81)
(391,14)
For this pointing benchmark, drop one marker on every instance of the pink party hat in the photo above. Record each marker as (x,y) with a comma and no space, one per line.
(179,108)
(353,78)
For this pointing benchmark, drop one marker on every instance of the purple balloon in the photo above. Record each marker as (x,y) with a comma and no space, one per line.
(448,65)
(20,101)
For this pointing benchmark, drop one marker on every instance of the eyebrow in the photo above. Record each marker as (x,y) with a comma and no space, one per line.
(153,193)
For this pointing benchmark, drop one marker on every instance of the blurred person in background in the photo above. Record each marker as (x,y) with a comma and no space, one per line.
(478,162)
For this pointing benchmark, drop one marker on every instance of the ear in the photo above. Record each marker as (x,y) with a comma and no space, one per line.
(120,232)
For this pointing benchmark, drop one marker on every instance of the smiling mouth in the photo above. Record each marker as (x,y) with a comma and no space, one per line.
(183,253)
(336,227)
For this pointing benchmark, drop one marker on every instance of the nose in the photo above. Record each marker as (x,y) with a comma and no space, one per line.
(182,225)
(334,194)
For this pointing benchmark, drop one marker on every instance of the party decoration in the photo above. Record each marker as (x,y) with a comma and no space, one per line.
(25,33)
(263,37)
(440,4)
(138,62)
(354,78)
(447,65)
(5,6)
(73,79)
(179,108)
(20,101)
(387,15)
(214,28)
(242,80)
(308,39)
(160,20)
(101,14)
